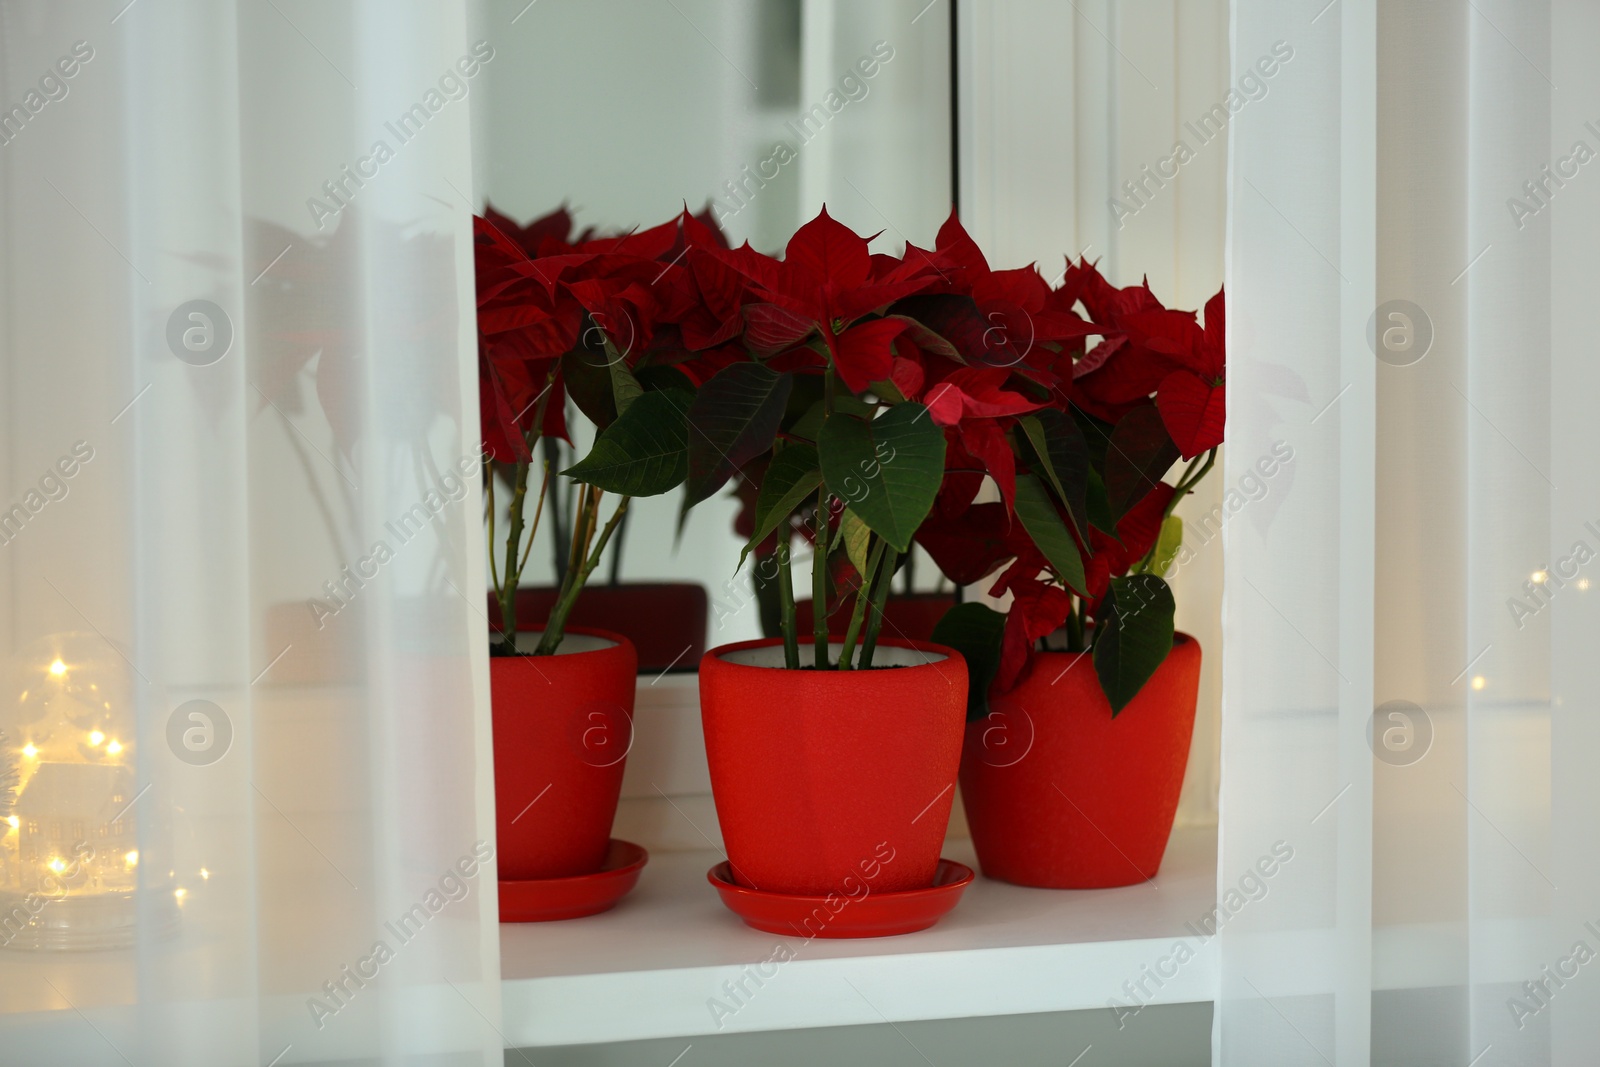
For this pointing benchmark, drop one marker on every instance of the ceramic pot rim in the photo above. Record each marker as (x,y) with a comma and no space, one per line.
(932,656)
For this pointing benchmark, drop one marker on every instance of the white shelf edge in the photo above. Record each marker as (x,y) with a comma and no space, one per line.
(1004,951)
(844,992)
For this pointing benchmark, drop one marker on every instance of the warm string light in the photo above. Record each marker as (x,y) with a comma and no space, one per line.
(205,875)
(57,865)
(13,822)
(114,747)
(58,668)
(95,737)
(30,751)
(1479,681)
(131,859)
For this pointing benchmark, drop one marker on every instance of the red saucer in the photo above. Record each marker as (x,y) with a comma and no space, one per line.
(873,915)
(546,899)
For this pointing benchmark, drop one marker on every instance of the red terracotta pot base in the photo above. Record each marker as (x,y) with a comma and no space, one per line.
(552,899)
(1060,795)
(863,914)
(825,781)
(563,725)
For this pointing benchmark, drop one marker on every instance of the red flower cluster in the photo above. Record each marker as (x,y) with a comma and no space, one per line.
(1080,395)
(546,299)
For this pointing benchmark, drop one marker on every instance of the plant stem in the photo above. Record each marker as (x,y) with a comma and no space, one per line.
(863,595)
(559,520)
(533,530)
(1183,488)
(879,598)
(494,568)
(555,629)
(587,514)
(1075,626)
(506,584)
(791,640)
(819,584)
(819,555)
(616,554)
(507,588)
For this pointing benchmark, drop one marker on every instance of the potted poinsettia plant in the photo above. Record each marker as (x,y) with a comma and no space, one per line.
(577,320)
(1083,697)
(665,620)
(825,752)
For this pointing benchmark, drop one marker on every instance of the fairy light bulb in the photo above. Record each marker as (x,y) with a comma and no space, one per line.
(1479,681)
(57,865)
(114,747)
(131,859)
(57,668)
(95,737)
(205,875)
(30,751)
(13,822)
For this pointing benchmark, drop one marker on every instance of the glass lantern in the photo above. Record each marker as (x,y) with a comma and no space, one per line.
(70,870)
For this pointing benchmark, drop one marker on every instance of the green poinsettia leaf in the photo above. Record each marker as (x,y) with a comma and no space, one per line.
(856,537)
(625,388)
(793,477)
(1098,504)
(733,419)
(588,383)
(1133,635)
(809,425)
(645,451)
(888,469)
(1167,546)
(1043,521)
(1063,455)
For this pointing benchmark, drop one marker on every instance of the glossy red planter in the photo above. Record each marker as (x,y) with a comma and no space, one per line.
(911,618)
(823,777)
(666,621)
(1058,794)
(562,728)
(550,899)
(864,914)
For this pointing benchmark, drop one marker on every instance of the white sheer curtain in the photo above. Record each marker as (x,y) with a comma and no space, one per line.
(1410,679)
(272,508)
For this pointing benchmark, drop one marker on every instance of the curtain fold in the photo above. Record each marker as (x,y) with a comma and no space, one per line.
(245,701)
(1409,688)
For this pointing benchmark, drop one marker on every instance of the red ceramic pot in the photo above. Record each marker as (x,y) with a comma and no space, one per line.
(910,617)
(1058,794)
(666,621)
(824,776)
(562,728)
